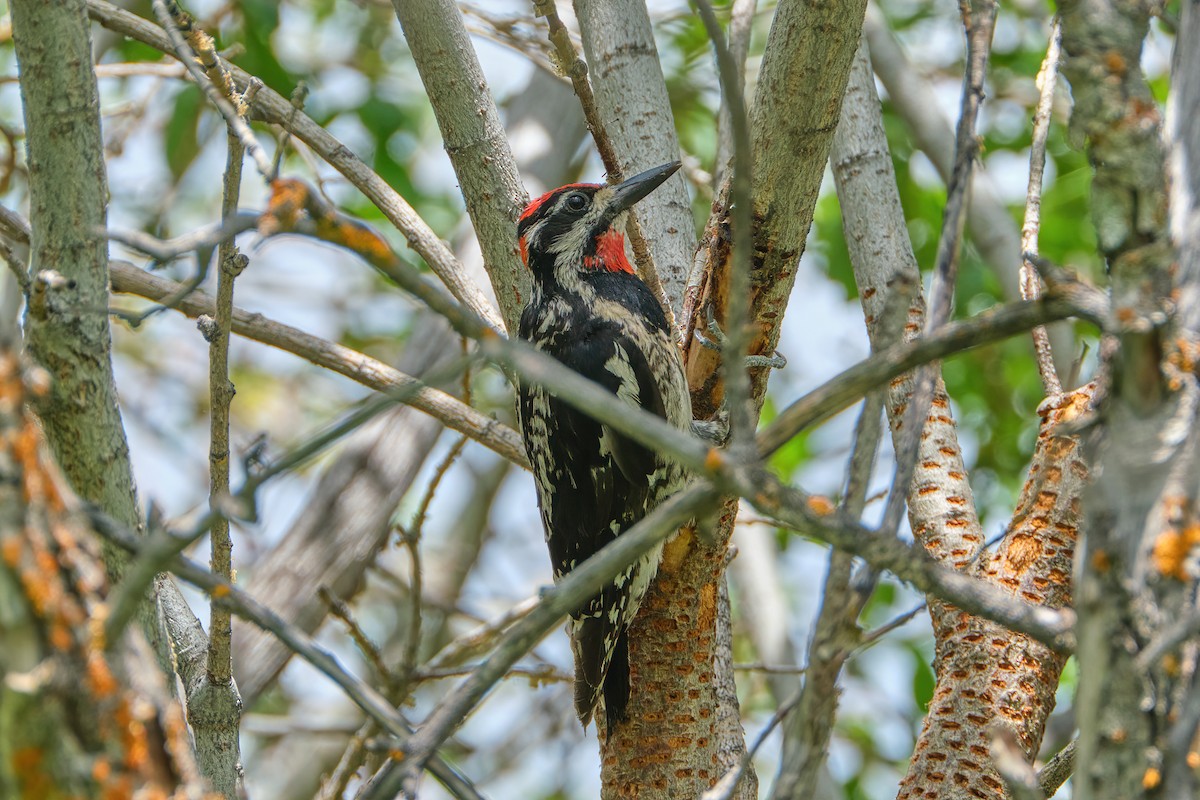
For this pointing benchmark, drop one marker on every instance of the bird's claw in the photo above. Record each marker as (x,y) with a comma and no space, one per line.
(719,340)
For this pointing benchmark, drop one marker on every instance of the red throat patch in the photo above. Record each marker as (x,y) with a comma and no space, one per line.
(523,246)
(610,253)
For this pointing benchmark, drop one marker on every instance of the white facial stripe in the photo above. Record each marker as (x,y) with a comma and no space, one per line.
(569,247)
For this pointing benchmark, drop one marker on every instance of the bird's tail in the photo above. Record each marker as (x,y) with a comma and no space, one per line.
(596,677)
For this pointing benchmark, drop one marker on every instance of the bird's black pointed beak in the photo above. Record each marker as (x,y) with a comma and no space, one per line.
(634,189)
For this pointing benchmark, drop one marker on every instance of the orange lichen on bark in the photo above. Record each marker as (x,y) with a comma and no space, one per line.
(291,199)
(821,505)
(45,545)
(1174,544)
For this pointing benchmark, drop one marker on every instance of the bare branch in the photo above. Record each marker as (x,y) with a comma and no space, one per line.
(356,366)
(576,69)
(1057,770)
(272,107)
(230,265)
(1030,289)
(216,706)
(233,119)
(474,139)
(221,592)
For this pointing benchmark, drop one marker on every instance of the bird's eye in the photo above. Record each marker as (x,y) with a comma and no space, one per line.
(577,201)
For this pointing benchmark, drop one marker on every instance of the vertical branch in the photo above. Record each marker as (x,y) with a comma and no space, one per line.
(221,391)
(979,24)
(69,269)
(979,18)
(741,25)
(214,706)
(474,139)
(1144,498)
(1030,288)
(940,504)
(576,69)
(737,278)
(806,741)
(631,97)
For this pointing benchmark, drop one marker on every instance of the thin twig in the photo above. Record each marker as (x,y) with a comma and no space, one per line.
(412,540)
(542,674)
(724,788)
(737,309)
(221,391)
(979,22)
(770,669)
(583,582)
(339,609)
(1030,289)
(873,636)
(223,593)
(480,639)
(337,358)
(1057,769)
(200,241)
(216,96)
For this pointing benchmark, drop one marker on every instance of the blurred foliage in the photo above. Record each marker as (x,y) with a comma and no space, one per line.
(364,88)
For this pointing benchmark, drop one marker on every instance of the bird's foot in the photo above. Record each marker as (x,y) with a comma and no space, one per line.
(719,340)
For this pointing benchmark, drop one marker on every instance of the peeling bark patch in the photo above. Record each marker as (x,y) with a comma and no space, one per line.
(708,607)
(1023,550)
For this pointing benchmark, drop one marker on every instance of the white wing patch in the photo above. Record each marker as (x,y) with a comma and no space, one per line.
(628,390)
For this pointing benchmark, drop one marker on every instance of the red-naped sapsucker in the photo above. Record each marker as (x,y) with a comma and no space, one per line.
(591,312)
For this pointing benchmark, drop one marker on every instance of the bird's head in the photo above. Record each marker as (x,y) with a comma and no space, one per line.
(580,227)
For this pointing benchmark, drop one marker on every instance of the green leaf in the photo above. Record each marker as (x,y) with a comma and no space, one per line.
(182,142)
(923,680)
